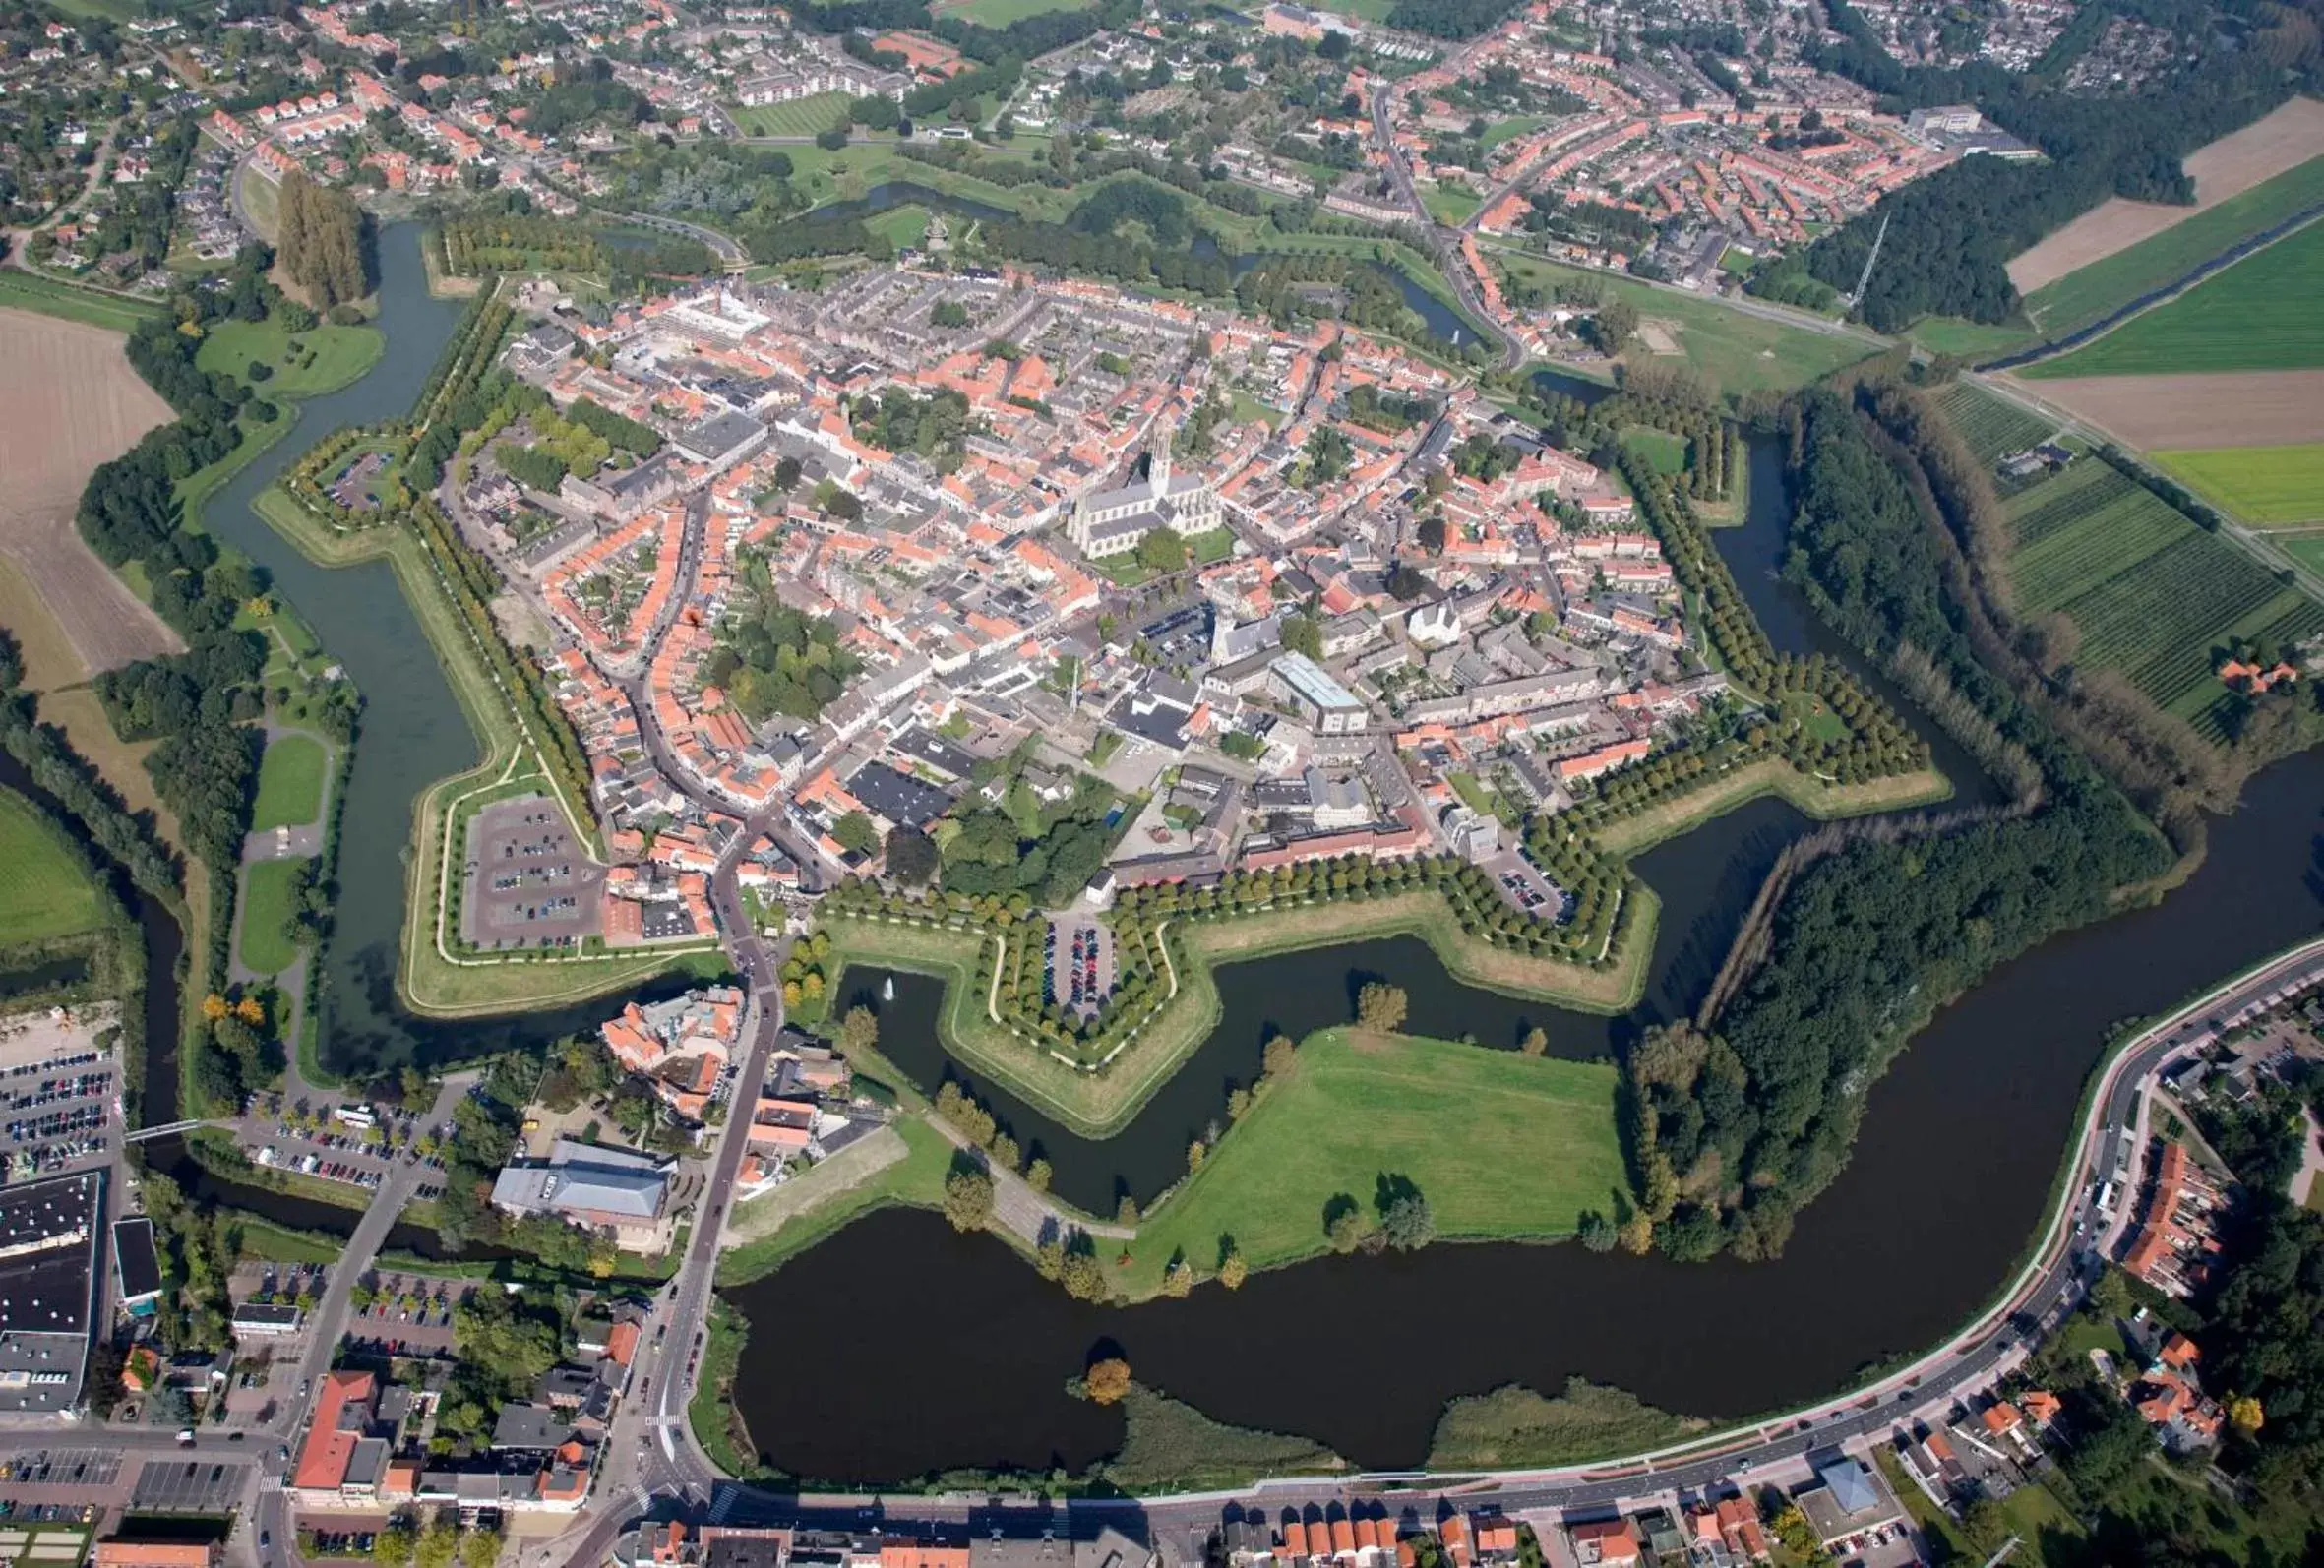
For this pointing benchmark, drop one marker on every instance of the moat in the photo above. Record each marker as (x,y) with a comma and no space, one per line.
(937,1351)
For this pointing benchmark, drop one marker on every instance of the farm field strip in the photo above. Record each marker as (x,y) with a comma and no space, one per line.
(2262,485)
(2151,595)
(2263,313)
(1992,426)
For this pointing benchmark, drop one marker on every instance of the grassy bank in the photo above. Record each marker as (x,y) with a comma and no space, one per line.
(1171,1446)
(1099,1103)
(1503,1146)
(23,290)
(1515,1427)
(430,982)
(718,1426)
(1634,834)
(787,1222)
(45,892)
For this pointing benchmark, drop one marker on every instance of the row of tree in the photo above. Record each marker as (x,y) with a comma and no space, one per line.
(323,241)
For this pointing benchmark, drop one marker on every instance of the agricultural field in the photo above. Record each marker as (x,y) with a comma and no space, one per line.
(1993,427)
(44,892)
(2263,313)
(2263,485)
(800,117)
(2151,594)
(2120,248)
(2309,549)
(1737,351)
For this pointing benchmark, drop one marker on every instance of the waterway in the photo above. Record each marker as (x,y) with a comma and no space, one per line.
(1959,1146)
(413,730)
(155,1093)
(1442,321)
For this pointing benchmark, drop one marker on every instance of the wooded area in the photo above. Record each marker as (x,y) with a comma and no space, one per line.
(323,240)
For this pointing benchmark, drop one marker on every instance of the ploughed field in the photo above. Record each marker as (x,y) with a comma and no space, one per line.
(2266,312)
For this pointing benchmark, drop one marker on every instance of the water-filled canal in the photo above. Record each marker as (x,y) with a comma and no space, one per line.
(1960,1142)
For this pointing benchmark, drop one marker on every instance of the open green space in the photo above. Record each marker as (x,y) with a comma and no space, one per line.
(2309,549)
(304,364)
(799,117)
(2088,293)
(784,1224)
(289,783)
(20,290)
(1666,451)
(1000,12)
(266,911)
(2266,312)
(904,227)
(1171,1446)
(1450,203)
(1516,1425)
(1502,1145)
(1740,352)
(2258,484)
(2151,594)
(1508,129)
(44,891)
(1950,335)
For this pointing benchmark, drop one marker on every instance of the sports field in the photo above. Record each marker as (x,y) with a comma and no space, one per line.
(1737,351)
(799,117)
(266,909)
(289,783)
(43,891)
(2258,484)
(1500,1144)
(2151,593)
(2266,312)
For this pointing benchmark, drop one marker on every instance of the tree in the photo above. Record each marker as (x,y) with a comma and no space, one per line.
(855,833)
(438,1545)
(1276,1058)
(1381,1006)
(858,1032)
(1345,1224)
(1407,1223)
(1037,1174)
(480,1548)
(1106,1382)
(1598,1234)
(392,1547)
(1232,1270)
(1615,323)
(911,855)
(968,1199)
(1432,533)
(1536,1041)
(1302,634)
(1986,1526)
(1163,550)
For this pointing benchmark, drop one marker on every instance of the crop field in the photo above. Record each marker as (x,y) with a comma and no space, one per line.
(43,894)
(800,117)
(2263,485)
(2264,313)
(2151,593)
(1992,426)
(2309,549)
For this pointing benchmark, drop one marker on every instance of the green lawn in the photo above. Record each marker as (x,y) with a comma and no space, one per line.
(266,908)
(1450,203)
(799,117)
(1949,335)
(324,359)
(43,891)
(1516,125)
(289,783)
(1211,545)
(1666,451)
(20,290)
(2266,312)
(1737,351)
(1000,12)
(2258,484)
(1500,1144)
(904,227)
(2309,549)
(2089,292)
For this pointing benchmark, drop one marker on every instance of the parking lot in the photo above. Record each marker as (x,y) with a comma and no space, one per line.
(527,881)
(59,1091)
(193,1485)
(91,1467)
(1077,965)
